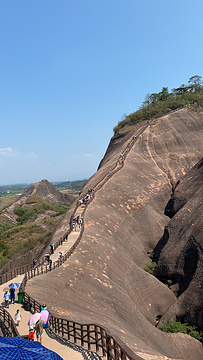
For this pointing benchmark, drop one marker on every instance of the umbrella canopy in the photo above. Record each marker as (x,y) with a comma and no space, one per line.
(52,244)
(13,286)
(33,319)
(16,348)
(45,315)
(47,255)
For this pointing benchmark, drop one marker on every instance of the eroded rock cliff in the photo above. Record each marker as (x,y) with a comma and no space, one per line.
(104,281)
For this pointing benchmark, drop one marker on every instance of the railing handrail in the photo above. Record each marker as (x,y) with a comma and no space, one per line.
(8,321)
(91,334)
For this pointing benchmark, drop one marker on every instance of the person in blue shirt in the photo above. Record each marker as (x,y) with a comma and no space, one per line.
(6,298)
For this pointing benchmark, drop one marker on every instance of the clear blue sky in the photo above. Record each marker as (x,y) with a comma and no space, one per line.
(69,70)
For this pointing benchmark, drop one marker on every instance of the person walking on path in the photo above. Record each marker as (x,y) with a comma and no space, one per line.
(75,225)
(6,299)
(18,317)
(34,263)
(52,248)
(39,329)
(12,296)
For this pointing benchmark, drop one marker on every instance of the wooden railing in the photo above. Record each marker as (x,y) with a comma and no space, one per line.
(90,336)
(7,324)
(12,274)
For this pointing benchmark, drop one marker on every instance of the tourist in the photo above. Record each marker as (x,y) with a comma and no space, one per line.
(39,329)
(52,248)
(50,264)
(6,299)
(18,317)
(43,307)
(34,263)
(12,296)
(31,333)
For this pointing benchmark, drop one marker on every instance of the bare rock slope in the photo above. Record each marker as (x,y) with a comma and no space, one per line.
(104,281)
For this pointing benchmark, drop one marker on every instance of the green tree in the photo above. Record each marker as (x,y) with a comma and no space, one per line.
(195,82)
(180,90)
(163,94)
(154,97)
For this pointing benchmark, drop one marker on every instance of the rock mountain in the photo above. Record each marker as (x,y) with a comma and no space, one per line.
(104,281)
(42,189)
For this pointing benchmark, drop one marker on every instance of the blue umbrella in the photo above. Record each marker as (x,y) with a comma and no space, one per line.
(16,348)
(13,286)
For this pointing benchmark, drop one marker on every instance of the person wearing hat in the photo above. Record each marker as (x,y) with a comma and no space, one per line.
(44,307)
(31,333)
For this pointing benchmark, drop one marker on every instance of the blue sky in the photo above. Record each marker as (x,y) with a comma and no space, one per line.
(69,70)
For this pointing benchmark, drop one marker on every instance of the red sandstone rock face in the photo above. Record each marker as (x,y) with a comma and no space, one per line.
(104,281)
(180,250)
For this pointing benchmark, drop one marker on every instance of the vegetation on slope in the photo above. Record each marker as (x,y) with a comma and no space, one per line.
(36,220)
(178,327)
(158,104)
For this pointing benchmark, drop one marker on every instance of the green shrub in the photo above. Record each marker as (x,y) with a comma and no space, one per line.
(169,282)
(178,327)
(23,214)
(150,267)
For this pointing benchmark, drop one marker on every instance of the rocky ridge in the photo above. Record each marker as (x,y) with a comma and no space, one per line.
(104,280)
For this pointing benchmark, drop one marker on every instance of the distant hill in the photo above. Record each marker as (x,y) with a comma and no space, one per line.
(30,219)
(45,190)
(42,189)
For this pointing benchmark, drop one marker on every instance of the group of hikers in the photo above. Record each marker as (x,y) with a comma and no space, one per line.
(86,197)
(39,326)
(77,221)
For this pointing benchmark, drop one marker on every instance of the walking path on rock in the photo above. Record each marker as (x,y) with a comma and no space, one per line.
(68,351)
(62,350)
(73,236)
(71,352)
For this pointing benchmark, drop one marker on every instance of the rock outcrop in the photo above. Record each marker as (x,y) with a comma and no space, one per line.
(42,189)
(180,251)
(104,280)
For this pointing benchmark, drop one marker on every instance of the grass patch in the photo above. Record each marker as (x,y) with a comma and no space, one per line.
(36,220)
